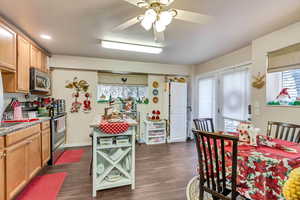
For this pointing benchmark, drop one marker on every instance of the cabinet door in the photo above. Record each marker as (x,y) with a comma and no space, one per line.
(2,177)
(34,155)
(35,57)
(8,48)
(23,65)
(46,151)
(16,168)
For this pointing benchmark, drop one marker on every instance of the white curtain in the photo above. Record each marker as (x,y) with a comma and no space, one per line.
(206,98)
(235,94)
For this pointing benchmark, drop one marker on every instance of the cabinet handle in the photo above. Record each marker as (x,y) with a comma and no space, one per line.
(3,155)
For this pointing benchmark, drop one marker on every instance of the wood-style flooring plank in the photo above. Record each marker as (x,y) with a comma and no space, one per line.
(162,173)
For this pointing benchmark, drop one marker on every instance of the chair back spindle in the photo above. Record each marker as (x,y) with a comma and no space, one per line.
(213,164)
(204,124)
(284,131)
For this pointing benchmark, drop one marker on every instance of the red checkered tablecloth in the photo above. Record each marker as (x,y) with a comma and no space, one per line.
(113,128)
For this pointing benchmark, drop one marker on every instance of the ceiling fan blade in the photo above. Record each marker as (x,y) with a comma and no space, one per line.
(138,3)
(158,36)
(192,17)
(127,24)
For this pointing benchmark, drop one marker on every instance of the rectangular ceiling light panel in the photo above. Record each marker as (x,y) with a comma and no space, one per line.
(131,47)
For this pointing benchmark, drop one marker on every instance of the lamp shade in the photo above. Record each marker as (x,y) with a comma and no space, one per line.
(165,17)
(159,26)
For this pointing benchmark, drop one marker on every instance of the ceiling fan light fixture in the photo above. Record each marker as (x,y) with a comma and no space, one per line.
(165,17)
(146,24)
(131,47)
(159,26)
(166,2)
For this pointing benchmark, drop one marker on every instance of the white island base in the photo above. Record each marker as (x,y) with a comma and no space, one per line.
(113,164)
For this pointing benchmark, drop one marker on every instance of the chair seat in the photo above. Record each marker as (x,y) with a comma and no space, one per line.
(192,191)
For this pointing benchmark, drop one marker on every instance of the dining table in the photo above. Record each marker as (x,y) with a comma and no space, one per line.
(264,167)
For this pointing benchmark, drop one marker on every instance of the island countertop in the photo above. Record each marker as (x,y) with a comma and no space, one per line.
(97,120)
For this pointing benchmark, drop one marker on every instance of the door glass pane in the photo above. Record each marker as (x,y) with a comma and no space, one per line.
(235,95)
(206,104)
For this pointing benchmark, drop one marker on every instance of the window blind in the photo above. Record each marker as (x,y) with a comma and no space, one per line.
(235,94)
(291,80)
(284,59)
(106,78)
(206,98)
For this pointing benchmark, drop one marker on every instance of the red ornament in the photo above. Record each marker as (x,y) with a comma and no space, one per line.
(158,112)
(153,118)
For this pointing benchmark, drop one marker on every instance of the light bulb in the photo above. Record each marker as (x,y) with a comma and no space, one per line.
(146,24)
(159,27)
(151,15)
(165,17)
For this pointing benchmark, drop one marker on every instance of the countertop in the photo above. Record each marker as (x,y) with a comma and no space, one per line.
(97,120)
(7,130)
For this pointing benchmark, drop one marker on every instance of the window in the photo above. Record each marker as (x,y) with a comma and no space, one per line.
(276,81)
(224,97)
(122,91)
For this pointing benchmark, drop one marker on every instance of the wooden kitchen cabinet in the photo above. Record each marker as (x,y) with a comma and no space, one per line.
(8,48)
(35,57)
(2,169)
(46,146)
(16,168)
(33,151)
(44,64)
(19,81)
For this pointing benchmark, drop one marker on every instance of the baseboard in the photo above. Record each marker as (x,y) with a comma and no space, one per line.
(77,145)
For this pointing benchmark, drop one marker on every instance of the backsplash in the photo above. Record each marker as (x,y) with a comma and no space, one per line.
(20,97)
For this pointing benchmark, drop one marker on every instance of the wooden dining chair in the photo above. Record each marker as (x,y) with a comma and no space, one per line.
(204,124)
(284,131)
(212,165)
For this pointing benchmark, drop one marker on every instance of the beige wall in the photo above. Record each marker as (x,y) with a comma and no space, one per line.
(67,67)
(256,53)
(260,47)
(74,62)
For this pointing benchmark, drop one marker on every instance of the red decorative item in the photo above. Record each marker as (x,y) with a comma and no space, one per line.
(157,117)
(158,112)
(153,117)
(114,128)
(87,103)
(153,112)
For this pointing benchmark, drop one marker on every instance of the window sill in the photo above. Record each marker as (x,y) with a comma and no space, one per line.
(285,106)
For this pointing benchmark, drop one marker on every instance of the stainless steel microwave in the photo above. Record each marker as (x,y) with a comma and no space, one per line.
(39,81)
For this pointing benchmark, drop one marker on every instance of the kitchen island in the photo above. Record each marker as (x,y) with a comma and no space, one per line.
(113,154)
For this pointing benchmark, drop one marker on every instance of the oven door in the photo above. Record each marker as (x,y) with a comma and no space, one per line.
(58,132)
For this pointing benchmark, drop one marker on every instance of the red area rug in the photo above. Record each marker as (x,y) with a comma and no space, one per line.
(70,156)
(44,187)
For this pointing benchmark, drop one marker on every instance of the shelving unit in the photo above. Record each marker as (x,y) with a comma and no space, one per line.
(155,132)
(114,160)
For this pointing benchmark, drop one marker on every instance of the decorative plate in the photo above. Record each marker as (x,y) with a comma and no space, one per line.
(155,92)
(155,99)
(155,84)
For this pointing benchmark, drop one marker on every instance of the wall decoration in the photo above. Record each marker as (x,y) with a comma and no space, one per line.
(259,81)
(155,84)
(155,99)
(79,86)
(155,92)
(87,103)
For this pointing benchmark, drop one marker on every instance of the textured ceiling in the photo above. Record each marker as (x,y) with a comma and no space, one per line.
(77,26)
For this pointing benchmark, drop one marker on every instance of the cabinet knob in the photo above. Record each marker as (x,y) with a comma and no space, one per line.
(3,155)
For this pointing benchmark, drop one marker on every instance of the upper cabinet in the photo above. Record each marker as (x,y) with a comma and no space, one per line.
(8,48)
(35,57)
(19,81)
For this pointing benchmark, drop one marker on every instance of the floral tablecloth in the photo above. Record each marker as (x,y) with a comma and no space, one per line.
(262,169)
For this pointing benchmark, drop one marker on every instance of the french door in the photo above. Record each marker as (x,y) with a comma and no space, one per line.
(225,97)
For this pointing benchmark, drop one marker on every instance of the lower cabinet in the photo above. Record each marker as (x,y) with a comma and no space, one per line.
(46,149)
(16,168)
(23,161)
(2,175)
(33,152)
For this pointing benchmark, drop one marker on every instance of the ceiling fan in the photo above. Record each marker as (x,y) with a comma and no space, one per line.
(158,16)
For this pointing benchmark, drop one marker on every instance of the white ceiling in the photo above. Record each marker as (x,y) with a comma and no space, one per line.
(77,26)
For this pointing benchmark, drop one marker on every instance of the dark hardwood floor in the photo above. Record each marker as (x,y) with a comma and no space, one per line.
(162,173)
